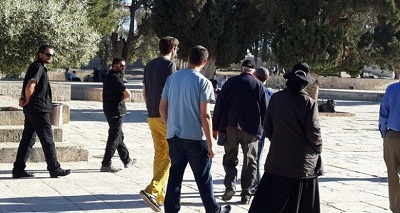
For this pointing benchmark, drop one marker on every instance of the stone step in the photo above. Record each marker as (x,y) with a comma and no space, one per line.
(15,116)
(66,152)
(14,133)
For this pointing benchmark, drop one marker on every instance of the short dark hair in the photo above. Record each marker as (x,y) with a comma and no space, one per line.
(43,48)
(117,60)
(262,74)
(198,54)
(166,43)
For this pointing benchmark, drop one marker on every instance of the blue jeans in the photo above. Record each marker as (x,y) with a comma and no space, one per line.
(261,143)
(182,152)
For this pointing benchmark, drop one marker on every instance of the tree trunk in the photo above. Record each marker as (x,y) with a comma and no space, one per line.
(127,47)
(124,47)
(117,44)
(396,74)
(255,53)
(104,53)
(209,69)
(264,52)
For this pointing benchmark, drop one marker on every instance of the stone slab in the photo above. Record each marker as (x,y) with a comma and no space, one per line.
(66,152)
(14,133)
(15,115)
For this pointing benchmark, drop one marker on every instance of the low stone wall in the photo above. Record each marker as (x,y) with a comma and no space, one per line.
(278,82)
(85,92)
(359,95)
(60,91)
(354,83)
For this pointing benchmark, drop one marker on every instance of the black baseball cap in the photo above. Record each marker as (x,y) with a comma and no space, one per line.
(248,64)
(300,71)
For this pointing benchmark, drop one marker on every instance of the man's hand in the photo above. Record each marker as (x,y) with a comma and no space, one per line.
(215,135)
(211,152)
(22,102)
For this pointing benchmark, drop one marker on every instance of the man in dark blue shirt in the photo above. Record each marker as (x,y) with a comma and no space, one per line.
(239,110)
(114,96)
(37,103)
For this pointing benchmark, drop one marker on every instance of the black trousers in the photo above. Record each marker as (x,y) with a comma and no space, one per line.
(36,123)
(115,141)
(278,194)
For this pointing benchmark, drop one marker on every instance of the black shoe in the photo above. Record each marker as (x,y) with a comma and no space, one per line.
(130,163)
(245,199)
(59,173)
(228,194)
(225,209)
(22,174)
(110,168)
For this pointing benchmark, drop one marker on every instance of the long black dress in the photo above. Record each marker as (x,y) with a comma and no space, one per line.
(286,195)
(293,164)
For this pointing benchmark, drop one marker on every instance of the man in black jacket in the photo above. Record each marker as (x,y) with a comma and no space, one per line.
(239,110)
(114,96)
(37,103)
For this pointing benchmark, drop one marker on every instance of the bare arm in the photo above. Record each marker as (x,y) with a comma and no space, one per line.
(29,89)
(163,109)
(126,94)
(206,123)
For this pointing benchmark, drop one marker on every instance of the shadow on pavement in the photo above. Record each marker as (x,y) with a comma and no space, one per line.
(132,116)
(72,203)
(371,179)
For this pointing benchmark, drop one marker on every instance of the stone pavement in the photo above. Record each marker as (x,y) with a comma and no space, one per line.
(355,179)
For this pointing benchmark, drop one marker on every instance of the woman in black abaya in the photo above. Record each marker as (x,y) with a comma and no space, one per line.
(293,164)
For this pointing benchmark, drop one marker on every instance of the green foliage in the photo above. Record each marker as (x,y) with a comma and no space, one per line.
(320,31)
(227,45)
(380,45)
(101,16)
(28,24)
(145,46)
(146,49)
(330,35)
(307,41)
(226,28)
(192,22)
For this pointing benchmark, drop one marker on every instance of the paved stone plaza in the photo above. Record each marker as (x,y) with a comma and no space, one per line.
(355,179)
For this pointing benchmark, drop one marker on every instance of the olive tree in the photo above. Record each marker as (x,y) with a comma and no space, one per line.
(26,24)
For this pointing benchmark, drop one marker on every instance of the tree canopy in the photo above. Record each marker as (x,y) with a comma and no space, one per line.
(381,43)
(26,24)
(225,27)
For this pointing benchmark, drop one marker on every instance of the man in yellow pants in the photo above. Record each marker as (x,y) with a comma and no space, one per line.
(156,73)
